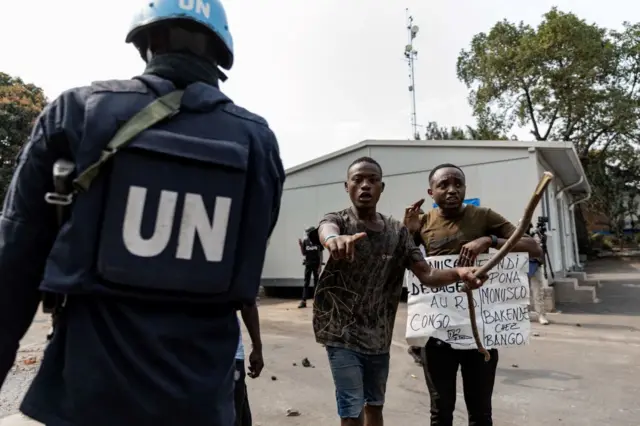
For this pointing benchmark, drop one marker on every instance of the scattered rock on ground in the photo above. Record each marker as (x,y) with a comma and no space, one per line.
(19,379)
(292,412)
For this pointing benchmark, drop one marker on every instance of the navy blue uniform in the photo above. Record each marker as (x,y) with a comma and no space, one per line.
(144,338)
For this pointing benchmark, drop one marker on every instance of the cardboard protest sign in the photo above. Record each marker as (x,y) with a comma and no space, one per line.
(501,304)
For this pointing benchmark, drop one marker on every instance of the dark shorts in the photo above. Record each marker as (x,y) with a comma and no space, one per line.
(359,379)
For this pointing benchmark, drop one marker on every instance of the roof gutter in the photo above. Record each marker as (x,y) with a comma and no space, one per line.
(578,166)
(572,206)
(568,187)
(580,200)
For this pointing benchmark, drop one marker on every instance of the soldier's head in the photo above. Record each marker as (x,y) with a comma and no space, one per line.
(364,182)
(198,27)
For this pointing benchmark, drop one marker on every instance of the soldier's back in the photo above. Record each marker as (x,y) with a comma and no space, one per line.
(155,258)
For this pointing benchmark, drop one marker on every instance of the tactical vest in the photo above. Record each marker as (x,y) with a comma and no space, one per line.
(165,216)
(312,253)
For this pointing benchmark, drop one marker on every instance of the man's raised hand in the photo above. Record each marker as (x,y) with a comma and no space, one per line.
(343,246)
(412,216)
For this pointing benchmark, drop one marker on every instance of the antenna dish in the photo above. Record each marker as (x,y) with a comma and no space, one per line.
(408,48)
(414,30)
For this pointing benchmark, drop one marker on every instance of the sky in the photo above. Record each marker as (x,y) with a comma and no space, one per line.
(325,74)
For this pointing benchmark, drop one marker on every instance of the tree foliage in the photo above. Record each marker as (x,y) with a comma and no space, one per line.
(566,80)
(20,105)
(483,131)
(616,188)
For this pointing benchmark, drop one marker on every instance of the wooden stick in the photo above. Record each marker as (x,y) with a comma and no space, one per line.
(522,227)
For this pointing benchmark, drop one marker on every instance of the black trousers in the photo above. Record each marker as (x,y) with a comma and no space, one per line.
(311,269)
(243,411)
(440,365)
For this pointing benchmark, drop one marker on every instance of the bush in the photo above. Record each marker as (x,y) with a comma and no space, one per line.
(609,242)
(596,238)
(598,242)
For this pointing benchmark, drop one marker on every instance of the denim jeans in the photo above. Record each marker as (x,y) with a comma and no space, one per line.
(359,379)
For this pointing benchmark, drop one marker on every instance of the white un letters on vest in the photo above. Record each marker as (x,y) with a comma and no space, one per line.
(201,7)
(194,220)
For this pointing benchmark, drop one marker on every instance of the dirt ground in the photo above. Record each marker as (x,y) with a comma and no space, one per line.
(581,370)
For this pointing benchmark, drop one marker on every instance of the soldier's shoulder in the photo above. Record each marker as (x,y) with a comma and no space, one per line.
(79,95)
(70,102)
(119,86)
(244,114)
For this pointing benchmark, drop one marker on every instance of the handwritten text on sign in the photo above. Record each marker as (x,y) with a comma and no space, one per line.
(501,305)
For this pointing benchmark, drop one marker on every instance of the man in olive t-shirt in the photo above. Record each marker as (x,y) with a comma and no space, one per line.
(455,228)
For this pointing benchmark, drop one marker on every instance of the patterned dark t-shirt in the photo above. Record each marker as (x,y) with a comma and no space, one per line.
(356,302)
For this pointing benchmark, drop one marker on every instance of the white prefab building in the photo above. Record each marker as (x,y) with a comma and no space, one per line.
(500,174)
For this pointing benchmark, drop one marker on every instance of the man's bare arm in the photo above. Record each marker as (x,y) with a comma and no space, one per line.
(327,229)
(442,277)
(251,320)
(500,227)
(526,245)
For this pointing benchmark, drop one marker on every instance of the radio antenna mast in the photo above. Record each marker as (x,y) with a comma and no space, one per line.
(411,55)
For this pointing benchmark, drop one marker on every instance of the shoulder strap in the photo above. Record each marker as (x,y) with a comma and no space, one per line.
(164,107)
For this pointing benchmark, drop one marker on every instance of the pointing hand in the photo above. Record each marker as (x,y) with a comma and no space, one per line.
(343,246)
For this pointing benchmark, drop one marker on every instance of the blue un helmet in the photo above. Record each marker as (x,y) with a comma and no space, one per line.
(208,13)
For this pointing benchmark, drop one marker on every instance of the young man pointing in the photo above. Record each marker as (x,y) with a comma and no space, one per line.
(358,293)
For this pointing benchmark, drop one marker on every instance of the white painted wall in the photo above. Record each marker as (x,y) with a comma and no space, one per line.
(561,232)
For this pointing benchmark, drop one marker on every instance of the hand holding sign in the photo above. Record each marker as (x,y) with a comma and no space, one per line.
(343,246)
(470,251)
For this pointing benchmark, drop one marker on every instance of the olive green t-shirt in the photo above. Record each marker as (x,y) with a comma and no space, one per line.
(446,236)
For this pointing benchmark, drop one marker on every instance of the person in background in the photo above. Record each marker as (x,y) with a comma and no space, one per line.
(312,261)
(537,285)
(357,297)
(454,228)
(251,320)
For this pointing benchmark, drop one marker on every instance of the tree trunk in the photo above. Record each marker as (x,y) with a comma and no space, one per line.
(584,243)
